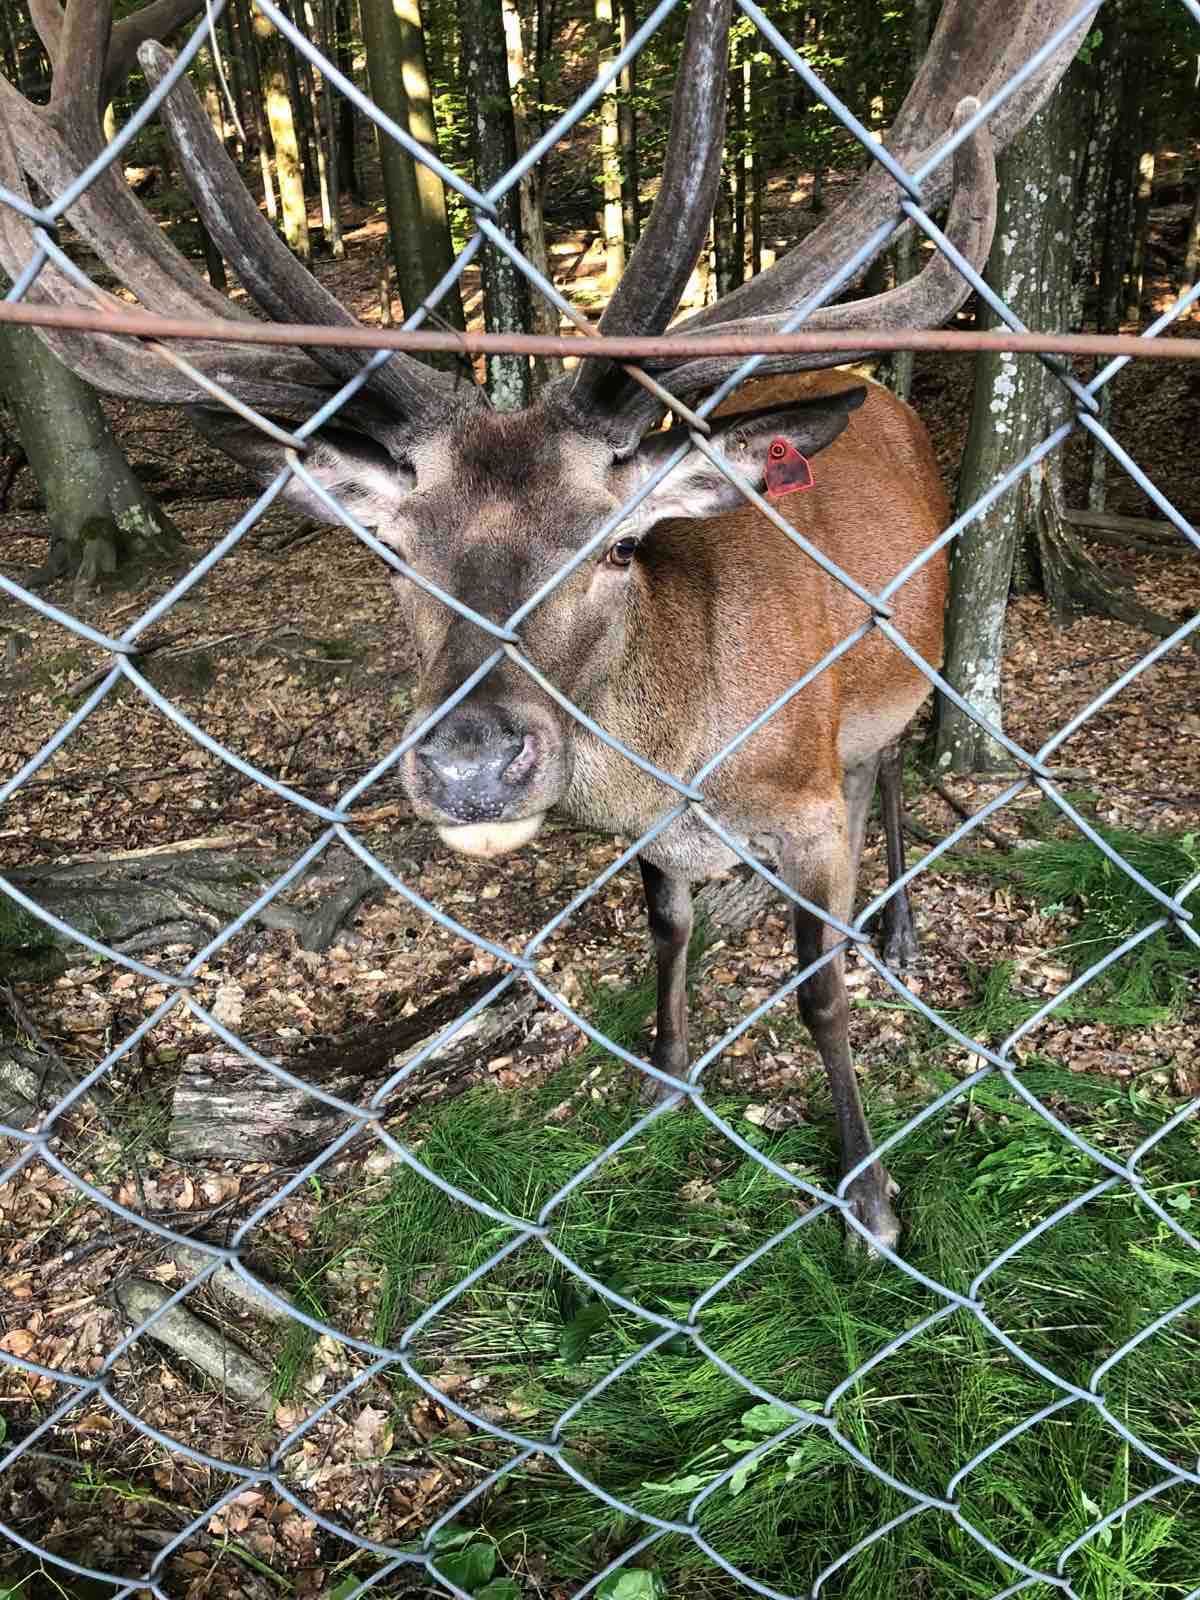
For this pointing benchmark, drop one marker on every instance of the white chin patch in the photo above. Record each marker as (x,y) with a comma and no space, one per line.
(492,838)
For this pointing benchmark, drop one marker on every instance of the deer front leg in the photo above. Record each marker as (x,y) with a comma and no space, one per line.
(899,932)
(669,902)
(825,1011)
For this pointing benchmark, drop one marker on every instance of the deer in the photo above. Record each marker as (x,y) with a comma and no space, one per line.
(677,622)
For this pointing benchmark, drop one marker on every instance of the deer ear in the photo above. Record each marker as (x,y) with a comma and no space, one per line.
(355,470)
(752,444)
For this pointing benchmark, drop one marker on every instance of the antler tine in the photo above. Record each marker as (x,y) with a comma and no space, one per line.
(648,294)
(925,301)
(975,50)
(287,387)
(270,273)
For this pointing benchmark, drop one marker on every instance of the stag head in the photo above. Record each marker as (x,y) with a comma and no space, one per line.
(487,507)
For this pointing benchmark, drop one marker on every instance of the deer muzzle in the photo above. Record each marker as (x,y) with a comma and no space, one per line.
(486,776)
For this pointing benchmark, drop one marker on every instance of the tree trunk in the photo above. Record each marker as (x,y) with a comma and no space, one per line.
(613,225)
(313,109)
(8,47)
(295,66)
(724,238)
(494,147)
(288,169)
(1191,257)
(237,80)
(331,175)
(1117,81)
(738,144)
(346,112)
(544,317)
(260,130)
(1118,215)
(1016,403)
(103,523)
(627,128)
(418,225)
(213,262)
(1143,196)
(757,157)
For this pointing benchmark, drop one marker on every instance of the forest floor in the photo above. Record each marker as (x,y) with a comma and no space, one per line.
(291,653)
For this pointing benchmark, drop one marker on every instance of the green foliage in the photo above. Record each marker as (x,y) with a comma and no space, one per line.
(635,1583)
(1150,982)
(19,929)
(667,1217)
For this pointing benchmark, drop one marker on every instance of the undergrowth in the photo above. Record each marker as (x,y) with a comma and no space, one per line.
(664,1219)
(1149,983)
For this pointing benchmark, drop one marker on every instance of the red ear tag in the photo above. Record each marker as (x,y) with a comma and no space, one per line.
(786,470)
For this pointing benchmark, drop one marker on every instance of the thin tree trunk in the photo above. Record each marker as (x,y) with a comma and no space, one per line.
(1143,196)
(757,157)
(103,523)
(494,147)
(8,47)
(1015,406)
(331,174)
(418,225)
(739,143)
(1113,177)
(902,361)
(295,65)
(1191,256)
(1118,81)
(283,136)
(724,237)
(346,113)
(313,102)
(544,317)
(213,263)
(631,219)
(613,225)
(237,78)
(260,126)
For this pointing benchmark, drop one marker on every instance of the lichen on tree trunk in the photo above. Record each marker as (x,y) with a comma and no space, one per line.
(1016,404)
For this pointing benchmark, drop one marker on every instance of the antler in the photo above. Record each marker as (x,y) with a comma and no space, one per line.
(646,298)
(975,51)
(270,273)
(51,146)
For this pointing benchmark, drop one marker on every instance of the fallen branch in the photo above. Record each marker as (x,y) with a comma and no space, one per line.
(224,1105)
(1130,533)
(147,899)
(200,1344)
(964,811)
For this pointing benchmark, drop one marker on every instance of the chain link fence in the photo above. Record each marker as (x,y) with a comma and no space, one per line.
(681,794)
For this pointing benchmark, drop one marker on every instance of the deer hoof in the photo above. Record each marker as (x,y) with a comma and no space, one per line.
(653,1091)
(900,948)
(871,1199)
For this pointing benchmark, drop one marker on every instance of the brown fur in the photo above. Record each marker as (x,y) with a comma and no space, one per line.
(726,614)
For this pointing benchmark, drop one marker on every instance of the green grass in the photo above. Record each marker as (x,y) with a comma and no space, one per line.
(1150,984)
(667,1217)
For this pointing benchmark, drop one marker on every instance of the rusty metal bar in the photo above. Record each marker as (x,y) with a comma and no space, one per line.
(146,325)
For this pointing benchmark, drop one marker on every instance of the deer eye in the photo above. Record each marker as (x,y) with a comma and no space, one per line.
(622,553)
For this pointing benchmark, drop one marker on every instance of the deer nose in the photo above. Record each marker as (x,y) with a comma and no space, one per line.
(476,765)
